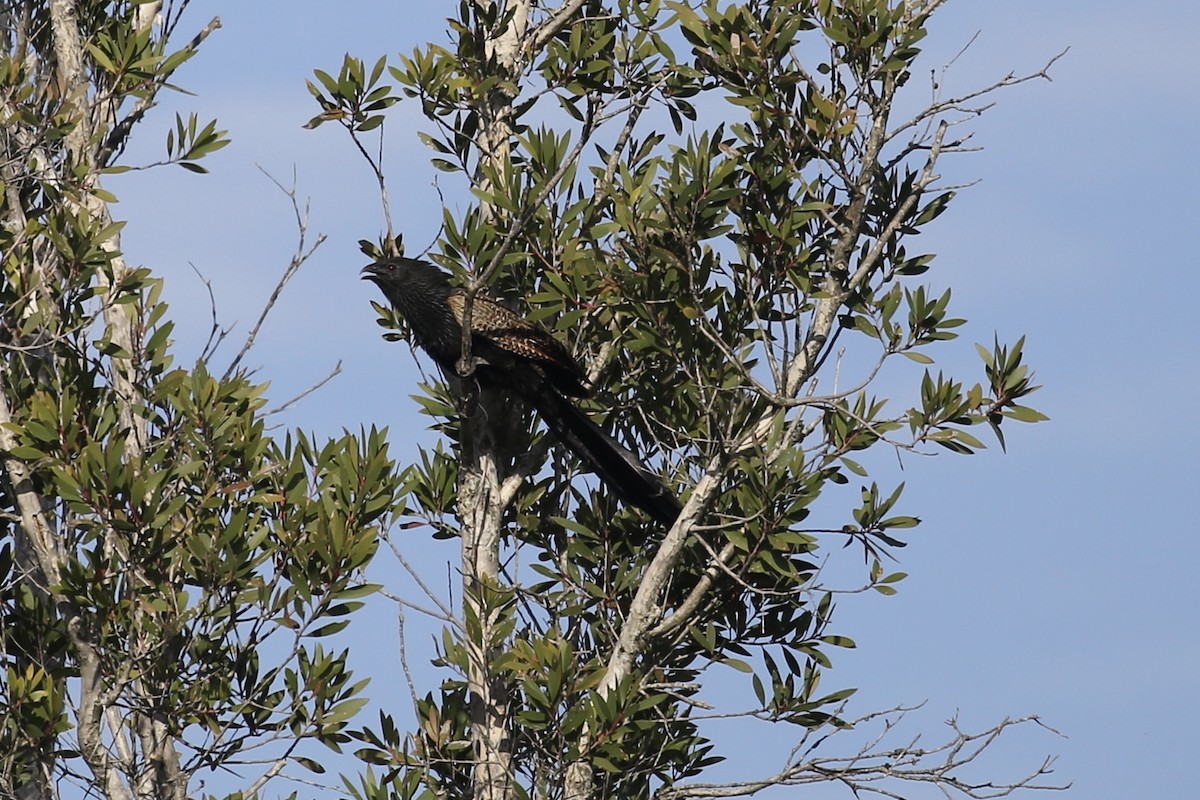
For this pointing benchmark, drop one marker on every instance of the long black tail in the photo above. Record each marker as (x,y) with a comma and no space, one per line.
(613,463)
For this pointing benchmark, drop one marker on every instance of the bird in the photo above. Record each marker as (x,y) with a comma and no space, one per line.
(523,359)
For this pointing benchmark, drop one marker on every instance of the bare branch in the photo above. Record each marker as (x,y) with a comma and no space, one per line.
(302,254)
(216,334)
(558,20)
(883,771)
(940,107)
(333,373)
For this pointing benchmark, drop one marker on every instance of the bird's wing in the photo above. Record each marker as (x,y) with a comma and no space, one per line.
(517,336)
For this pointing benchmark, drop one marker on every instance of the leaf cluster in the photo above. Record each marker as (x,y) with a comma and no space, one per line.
(169,568)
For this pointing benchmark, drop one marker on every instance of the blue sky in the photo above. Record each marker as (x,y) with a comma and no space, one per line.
(1056,579)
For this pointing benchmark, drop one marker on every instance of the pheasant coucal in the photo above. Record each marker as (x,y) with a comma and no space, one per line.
(522,358)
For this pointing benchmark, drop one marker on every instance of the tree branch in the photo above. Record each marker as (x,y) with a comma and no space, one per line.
(297,261)
(875,770)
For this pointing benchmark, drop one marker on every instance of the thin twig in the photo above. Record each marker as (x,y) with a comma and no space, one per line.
(337,370)
(298,258)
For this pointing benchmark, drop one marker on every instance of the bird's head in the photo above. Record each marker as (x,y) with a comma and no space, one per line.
(399,276)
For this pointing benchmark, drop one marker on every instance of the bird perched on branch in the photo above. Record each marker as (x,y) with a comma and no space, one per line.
(522,358)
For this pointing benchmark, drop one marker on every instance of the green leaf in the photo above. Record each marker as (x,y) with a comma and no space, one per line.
(1024,413)
(362,590)
(370,123)
(309,764)
(329,629)
(345,710)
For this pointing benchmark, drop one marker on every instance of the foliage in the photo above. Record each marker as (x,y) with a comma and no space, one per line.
(169,572)
(709,201)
